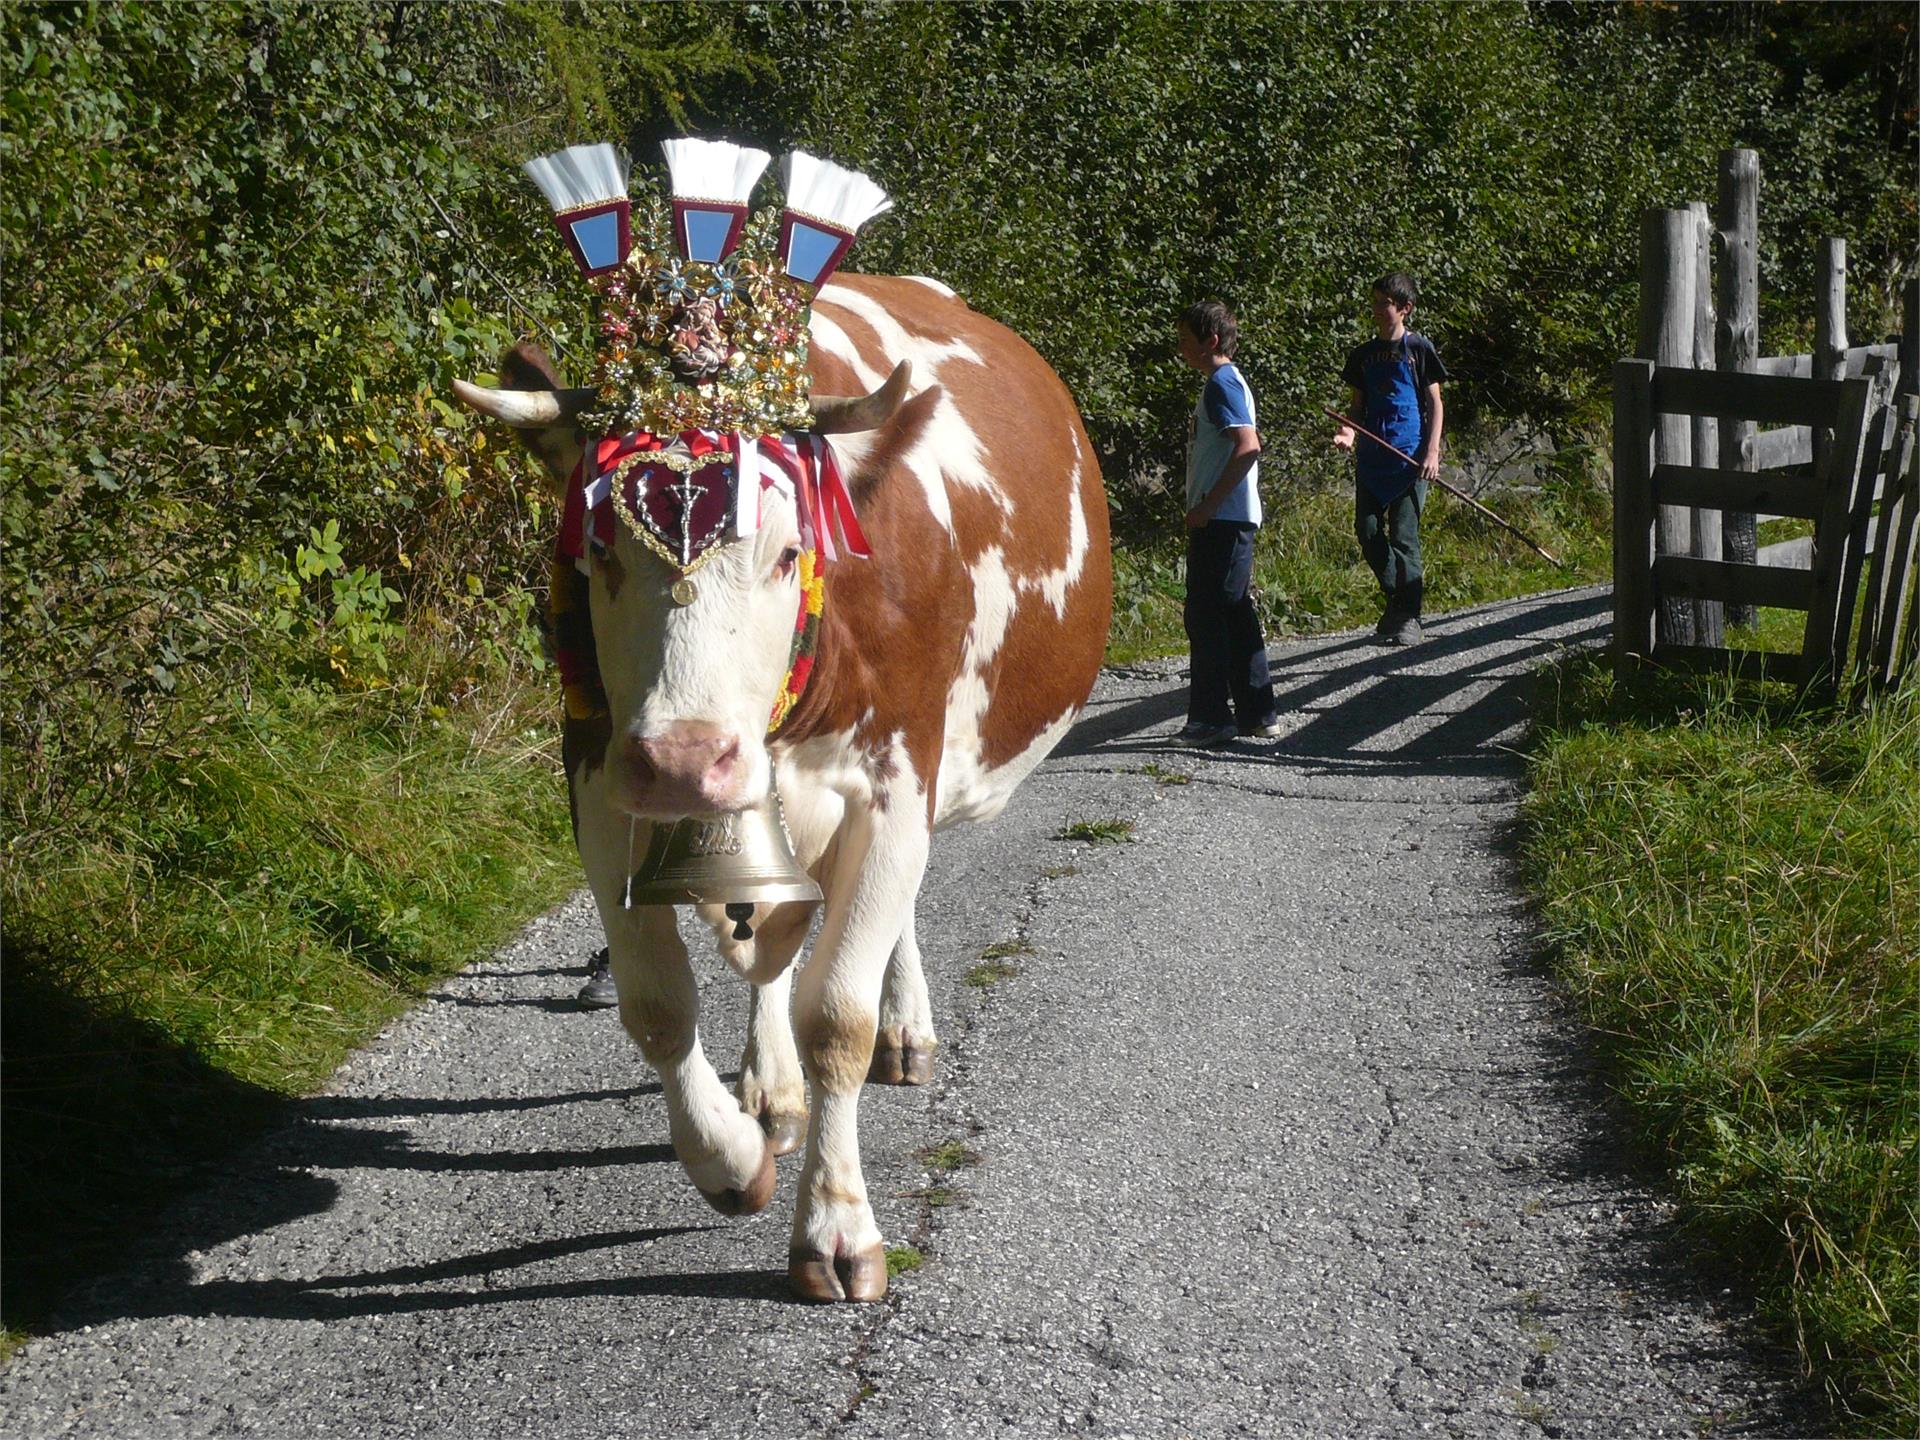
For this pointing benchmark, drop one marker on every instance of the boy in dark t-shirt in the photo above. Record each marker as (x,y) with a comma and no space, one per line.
(1395,382)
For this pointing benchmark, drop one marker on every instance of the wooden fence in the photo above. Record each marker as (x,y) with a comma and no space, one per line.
(1693,469)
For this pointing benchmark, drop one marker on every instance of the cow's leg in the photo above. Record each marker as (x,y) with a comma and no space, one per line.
(836,1252)
(772,1088)
(721,1147)
(903,1050)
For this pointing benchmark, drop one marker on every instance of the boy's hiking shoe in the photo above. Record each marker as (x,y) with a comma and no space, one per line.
(599,992)
(1405,631)
(1267,729)
(1397,627)
(1198,735)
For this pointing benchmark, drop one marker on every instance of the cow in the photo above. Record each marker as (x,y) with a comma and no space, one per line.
(949,663)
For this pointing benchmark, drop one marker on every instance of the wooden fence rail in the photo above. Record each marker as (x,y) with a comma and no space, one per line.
(1695,472)
(1863,463)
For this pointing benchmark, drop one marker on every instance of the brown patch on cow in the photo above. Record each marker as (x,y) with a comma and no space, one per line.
(932,316)
(665,1035)
(837,1049)
(892,442)
(556,447)
(526,367)
(892,637)
(583,750)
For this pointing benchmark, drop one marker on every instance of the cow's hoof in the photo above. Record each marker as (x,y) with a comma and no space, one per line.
(785,1130)
(753,1198)
(905,1064)
(824,1278)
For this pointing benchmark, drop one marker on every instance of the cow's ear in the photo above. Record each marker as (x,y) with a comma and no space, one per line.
(891,442)
(541,411)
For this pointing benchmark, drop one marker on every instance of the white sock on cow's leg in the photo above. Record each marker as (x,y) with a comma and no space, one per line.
(837,1252)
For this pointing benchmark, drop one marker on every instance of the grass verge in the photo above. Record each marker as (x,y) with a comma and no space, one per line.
(254,909)
(1309,575)
(1729,883)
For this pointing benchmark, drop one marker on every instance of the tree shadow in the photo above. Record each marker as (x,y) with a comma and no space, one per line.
(1474,668)
(106,1122)
(103,1117)
(1652,1263)
(458,1282)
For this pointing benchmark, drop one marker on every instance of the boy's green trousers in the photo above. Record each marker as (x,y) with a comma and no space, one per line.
(1390,539)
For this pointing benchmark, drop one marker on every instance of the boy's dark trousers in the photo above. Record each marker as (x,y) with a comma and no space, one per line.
(1223,628)
(1390,539)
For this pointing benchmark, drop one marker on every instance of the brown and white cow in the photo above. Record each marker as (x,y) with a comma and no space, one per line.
(949,664)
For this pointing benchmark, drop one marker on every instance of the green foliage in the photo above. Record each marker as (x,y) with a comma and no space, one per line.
(903,1260)
(1082,171)
(989,973)
(247,248)
(1724,878)
(266,899)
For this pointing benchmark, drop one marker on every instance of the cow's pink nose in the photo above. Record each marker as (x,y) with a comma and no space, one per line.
(690,766)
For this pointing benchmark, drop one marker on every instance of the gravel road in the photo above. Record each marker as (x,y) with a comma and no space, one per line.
(1268,1122)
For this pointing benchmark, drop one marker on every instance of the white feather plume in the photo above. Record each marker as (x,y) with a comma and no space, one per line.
(713,169)
(580,175)
(829,192)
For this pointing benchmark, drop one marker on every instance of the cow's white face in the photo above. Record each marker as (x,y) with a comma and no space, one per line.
(690,688)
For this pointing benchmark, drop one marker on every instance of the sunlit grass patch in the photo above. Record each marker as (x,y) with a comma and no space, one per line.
(1097,832)
(1729,882)
(903,1260)
(1309,576)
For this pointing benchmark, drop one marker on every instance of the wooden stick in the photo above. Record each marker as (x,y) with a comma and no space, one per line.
(1519,534)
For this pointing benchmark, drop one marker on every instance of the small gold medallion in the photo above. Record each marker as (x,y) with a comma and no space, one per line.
(683,591)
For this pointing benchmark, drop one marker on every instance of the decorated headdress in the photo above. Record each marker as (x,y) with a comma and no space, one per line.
(701,399)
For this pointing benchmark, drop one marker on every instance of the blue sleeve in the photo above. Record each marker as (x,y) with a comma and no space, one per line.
(1226,399)
(1429,370)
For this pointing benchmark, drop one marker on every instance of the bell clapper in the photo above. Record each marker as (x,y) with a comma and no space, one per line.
(740,914)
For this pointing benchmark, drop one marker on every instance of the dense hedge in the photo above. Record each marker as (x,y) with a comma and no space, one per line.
(246,246)
(1084,170)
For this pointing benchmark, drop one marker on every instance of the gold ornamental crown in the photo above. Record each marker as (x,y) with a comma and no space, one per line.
(704,302)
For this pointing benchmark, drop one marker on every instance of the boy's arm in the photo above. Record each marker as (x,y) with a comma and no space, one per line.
(1343,438)
(1437,422)
(1246,450)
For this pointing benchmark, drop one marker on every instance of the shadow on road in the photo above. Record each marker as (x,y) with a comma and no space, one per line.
(82,1248)
(160,1291)
(1458,693)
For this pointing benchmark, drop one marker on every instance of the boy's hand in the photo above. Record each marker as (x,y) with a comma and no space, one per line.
(1430,466)
(1198,516)
(1343,438)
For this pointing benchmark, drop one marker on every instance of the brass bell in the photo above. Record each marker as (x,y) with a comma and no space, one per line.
(738,858)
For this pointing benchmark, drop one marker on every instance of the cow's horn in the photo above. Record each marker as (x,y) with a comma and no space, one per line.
(842,414)
(525,409)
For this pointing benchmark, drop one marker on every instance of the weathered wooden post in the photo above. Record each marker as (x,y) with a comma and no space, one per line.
(1736,338)
(1633,547)
(1910,337)
(1709,620)
(1829,330)
(1666,338)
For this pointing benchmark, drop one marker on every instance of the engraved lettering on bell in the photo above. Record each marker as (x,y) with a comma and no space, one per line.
(714,837)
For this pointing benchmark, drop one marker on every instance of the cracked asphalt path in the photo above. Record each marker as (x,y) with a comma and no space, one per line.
(1267,1123)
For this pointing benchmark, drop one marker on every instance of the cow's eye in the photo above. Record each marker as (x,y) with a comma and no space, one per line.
(789,558)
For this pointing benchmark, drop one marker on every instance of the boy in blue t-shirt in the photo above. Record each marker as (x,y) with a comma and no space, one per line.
(1395,381)
(1230,679)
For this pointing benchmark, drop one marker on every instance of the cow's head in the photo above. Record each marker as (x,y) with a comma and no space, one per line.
(691,678)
